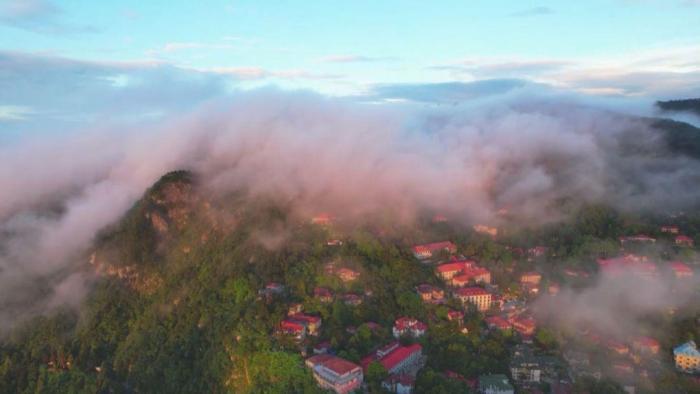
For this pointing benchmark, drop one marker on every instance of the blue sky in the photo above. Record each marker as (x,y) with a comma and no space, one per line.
(637,48)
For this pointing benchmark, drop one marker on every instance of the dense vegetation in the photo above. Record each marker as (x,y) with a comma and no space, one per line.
(176,307)
(691,105)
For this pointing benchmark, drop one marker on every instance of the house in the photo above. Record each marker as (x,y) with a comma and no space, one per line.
(497,322)
(646,345)
(483,229)
(310,322)
(475,296)
(399,383)
(334,242)
(347,274)
(335,373)
(295,308)
(272,289)
(495,384)
(409,326)
(469,275)
(439,219)
(681,270)
(323,294)
(322,348)
(352,299)
(454,315)
(396,359)
(687,357)
(431,294)
(530,278)
(293,328)
(553,289)
(449,270)
(524,366)
(669,229)
(524,325)
(537,251)
(637,239)
(322,219)
(627,264)
(427,251)
(617,347)
(684,240)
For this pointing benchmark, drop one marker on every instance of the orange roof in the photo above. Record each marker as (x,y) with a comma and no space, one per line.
(339,365)
(680,267)
(454,266)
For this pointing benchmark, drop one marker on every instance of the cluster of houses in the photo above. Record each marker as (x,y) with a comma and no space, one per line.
(641,266)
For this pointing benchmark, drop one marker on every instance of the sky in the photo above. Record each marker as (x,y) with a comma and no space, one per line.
(68,62)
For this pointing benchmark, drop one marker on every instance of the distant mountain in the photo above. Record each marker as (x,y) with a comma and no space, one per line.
(689,105)
(680,137)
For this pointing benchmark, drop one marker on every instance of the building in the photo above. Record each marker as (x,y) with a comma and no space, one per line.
(472,275)
(310,322)
(352,299)
(322,348)
(687,357)
(637,239)
(681,270)
(617,347)
(323,219)
(524,325)
(293,328)
(397,359)
(627,264)
(483,229)
(498,323)
(646,345)
(475,296)
(530,278)
(323,294)
(347,274)
(427,251)
(399,384)
(669,229)
(449,270)
(409,326)
(684,240)
(458,316)
(272,289)
(431,294)
(495,384)
(335,373)
(524,366)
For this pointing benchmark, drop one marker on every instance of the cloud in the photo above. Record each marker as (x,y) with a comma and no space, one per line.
(258,73)
(14,113)
(447,92)
(354,59)
(172,47)
(39,16)
(534,11)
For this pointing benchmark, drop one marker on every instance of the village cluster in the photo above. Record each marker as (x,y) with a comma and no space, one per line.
(470,283)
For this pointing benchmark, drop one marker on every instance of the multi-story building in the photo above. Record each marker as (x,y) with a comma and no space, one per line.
(409,326)
(335,373)
(495,384)
(524,366)
(447,271)
(397,359)
(472,275)
(476,296)
(681,270)
(687,357)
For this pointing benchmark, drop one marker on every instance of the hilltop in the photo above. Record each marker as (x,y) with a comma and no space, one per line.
(690,105)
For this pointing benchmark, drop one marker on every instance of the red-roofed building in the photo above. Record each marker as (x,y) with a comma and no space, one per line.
(669,229)
(322,219)
(312,323)
(335,373)
(409,326)
(524,325)
(458,316)
(626,264)
(681,270)
(448,270)
(617,347)
(294,328)
(347,274)
(476,296)
(684,240)
(396,358)
(646,345)
(497,322)
(431,294)
(352,299)
(427,251)
(323,294)
(469,275)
